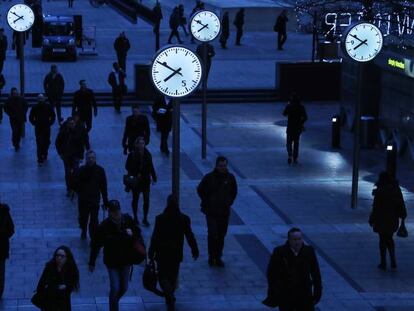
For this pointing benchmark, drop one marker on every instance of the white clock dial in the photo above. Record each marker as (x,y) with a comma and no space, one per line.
(20,17)
(363,42)
(205,26)
(176,71)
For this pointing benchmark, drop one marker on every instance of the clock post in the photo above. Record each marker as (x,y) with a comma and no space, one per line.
(21,61)
(176,149)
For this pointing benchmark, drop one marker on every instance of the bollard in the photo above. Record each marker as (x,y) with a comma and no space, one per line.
(336,132)
(391,165)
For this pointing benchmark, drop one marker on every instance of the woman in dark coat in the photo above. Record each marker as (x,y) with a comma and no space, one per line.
(59,278)
(387,209)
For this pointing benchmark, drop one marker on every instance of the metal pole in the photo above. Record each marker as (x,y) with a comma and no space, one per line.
(357,127)
(176,150)
(157,36)
(204,106)
(314,36)
(21,58)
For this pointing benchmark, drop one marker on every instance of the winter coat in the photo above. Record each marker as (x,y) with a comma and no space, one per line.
(71,143)
(239,19)
(143,167)
(42,115)
(117,81)
(16,108)
(217,193)
(135,127)
(54,85)
(162,113)
(6,230)
(90,182)
(225,28)
(175,19)
(3,47)
(280,25)
(121,45)
(297,117)
(83,102)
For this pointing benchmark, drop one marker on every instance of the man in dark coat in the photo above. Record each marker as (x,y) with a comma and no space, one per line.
(210,54)
(296,114)
(54,86)
(6,232)
(225,30)
(174,24)
(16,108)
(90,183)
(239,23)
(183,19)
(121,46)
(163,116)
(42,118)
(136,125)
(84,102)
(280,28)
(293,275)
(116,80)
(198,7)
(115,234)
(167,247)
(217,191)
(3,48)
(2,84)
(71,142)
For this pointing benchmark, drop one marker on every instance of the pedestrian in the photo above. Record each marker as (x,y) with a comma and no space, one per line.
(166,248)
(174,24)
(296,114)
(59,279)
(280,28)
(90,184)
(83,102)
(42,118)
(157,13)
(71,142)
(294,279)
(121,46)
(217,191)
(183,19)
(139,166)
(70,3)
(3,48)
(158,101)
(387,209)
(136,125)
(198,7)
(115,234)
(54,86)
(163,115)
(16,108)
(116,80)
(2,84)
(210,54)
(225,30)
(6,232)
(17,36)
(239,23)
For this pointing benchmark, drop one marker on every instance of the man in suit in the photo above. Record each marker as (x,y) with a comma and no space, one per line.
(16,108)
(116,80)
(54,86)
(3,48)
(239,23)
(136,125)
(121,46)
(83,103)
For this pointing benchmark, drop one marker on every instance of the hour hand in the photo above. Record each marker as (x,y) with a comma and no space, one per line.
(173,74)
(165,65)
(205,26)
(21,17)
(356,37)
(15,14)
(362,43)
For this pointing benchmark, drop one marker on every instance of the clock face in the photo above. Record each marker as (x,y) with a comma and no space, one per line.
(363,42)
(176,71)
(205,26)
(20,17)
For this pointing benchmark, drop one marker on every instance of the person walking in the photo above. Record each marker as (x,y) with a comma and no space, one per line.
(166,247)
(116,80)
(16,42)
(70,3)
(83,102)
(280,28)
(42,118)
(59,279)
(139,166)
(6,232)
(115,234)
(90,184)
(217,191)
(296,114)
(183,19)
(163,117)
(225,30)
(387,209)
(71,142)
(2,84)
(239,23)
(3,48)
(210,54)
(54,86)
(293,275)
(198,7)
(174,23)
(122,46)
(136,125)
(16,108)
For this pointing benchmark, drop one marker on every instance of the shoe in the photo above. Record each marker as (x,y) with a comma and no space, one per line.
(393,266)
(238,44)
(295,161)
(280,49)
(16,148)
(83,235)
(289,160)
(167,153)
(382,266)
(145,223)
(39,162)
(211,262)
(220,263)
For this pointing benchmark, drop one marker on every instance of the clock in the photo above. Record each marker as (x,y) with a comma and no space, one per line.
(363,42)
(176,71)
(205,26)
(20,17)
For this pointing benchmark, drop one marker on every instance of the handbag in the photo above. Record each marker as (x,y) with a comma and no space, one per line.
(402,230)
(39,299)
(137,253)
(130,181)
(150,278)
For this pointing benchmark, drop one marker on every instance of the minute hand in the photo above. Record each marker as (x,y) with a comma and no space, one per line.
(205,26)
(166,66)
(362,43)
(173,74)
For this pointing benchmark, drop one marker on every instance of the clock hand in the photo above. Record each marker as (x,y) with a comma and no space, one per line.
(205,26)
(356,37)
(15,14)
(173,74)
(362,43)
(21,17)
(166,66)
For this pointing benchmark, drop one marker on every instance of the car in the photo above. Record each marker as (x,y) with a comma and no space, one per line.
(58,37)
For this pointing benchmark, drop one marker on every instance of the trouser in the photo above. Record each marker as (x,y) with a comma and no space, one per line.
(174,33)
(223,42)
(386,241)
(118,280)
(184,29)
(292,139)
(168,276)
(117,98)
(217,230)
(17,132)
(145,190)
(239,34)
(42,142)
(57,102)
(164,140)
(88,213)
(2,275)
(122,60)
(70,3)
(281,39)
(87,119)
(1,65)
(71,165)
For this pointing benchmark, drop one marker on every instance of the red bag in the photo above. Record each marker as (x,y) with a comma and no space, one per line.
(138,252)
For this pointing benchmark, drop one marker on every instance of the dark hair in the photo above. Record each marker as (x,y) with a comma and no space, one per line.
(113,206)
(385,178)
(293,230)
(70,266)
(172,204)
(13,89)
(221,159)
(294,98)
(81,81)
